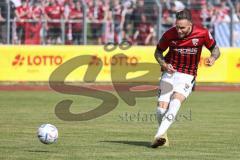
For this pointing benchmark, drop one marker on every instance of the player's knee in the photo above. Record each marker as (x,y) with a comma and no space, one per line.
(162,104)
(178,96)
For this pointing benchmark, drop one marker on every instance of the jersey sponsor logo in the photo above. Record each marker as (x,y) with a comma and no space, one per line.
(186,50)
(195,41)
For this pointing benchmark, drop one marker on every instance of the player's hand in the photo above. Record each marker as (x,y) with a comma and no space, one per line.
(210,61)
(169,68)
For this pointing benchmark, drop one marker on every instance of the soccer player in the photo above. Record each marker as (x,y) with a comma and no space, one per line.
(180,64)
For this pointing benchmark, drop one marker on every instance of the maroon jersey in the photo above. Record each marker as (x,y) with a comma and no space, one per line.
(22,10)
(37,12)
(184,54)
(54,12)
(76,14)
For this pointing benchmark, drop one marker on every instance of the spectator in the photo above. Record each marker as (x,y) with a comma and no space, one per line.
(138,11)
(127,25)
(178,5)
(33,28)
(220,14)
(2,22)
(144,33)
(224,7)
(54,13)
(118,21)
(1,17)
(238,9)
(108,36)
(168,18)
(96,15)
(75,27)
(205,15)
(196,12)
(22,15)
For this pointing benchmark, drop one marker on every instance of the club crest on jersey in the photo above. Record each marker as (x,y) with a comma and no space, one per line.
(195,41)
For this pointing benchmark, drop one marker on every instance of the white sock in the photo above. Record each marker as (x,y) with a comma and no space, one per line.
(169,117)
(160,114)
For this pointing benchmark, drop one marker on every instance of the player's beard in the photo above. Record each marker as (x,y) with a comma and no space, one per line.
(181,35)
(185,33)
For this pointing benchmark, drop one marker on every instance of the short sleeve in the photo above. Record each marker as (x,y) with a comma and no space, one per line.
(209,41)
(163,43)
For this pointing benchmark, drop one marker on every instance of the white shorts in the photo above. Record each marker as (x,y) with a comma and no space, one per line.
(177,82)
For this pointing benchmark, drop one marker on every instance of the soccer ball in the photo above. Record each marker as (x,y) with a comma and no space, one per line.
(47,133)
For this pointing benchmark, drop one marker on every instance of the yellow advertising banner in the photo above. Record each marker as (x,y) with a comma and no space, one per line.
(37,63)
(216,73)
(226,68)
(233,72)
(101,64)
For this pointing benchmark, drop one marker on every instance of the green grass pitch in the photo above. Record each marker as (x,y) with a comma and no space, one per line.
(207,128)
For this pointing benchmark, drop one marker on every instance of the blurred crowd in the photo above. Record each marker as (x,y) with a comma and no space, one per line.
(62,21)
(206,13)
(55,21)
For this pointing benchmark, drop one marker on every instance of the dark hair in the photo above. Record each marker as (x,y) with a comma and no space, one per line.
(184,14)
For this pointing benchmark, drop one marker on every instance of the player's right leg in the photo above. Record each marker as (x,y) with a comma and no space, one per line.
(169,118)
(161,110)
(166,90)
(160,113)
(182,88)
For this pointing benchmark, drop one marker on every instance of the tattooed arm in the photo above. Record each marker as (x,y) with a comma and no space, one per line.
(160,59)
(215,54)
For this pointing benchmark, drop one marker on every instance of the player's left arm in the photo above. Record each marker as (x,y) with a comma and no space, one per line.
(215,54)
(210,43)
